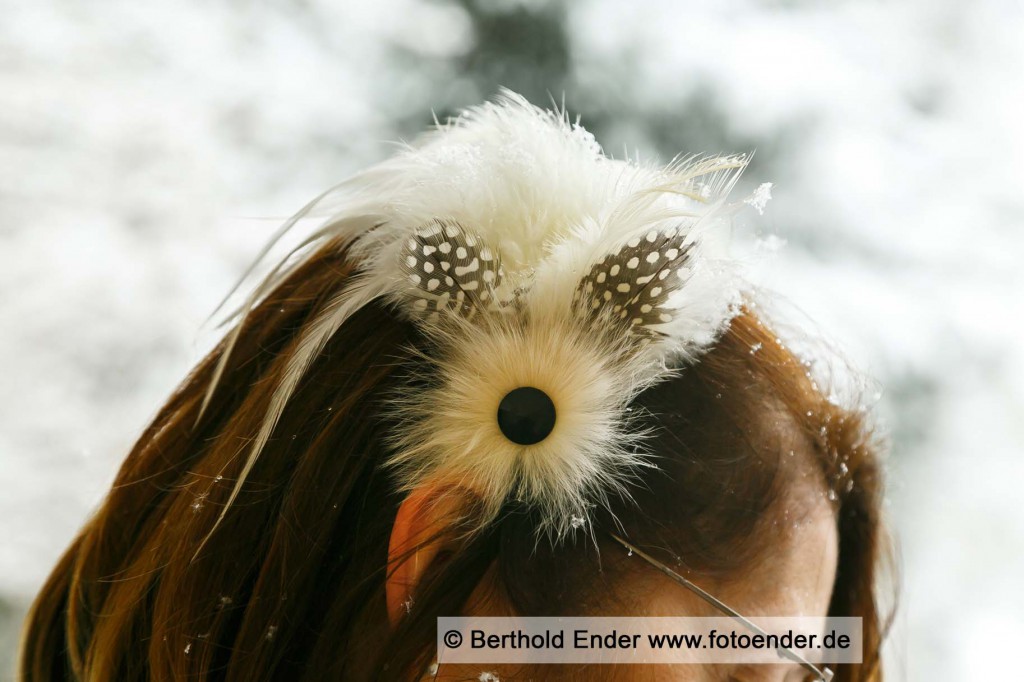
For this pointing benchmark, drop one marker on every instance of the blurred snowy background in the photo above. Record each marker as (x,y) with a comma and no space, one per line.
(147,150)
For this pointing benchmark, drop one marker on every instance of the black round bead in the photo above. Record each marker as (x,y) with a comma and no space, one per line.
(526,415)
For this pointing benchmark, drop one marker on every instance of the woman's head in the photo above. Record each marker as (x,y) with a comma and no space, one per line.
(766,494)
(300,509)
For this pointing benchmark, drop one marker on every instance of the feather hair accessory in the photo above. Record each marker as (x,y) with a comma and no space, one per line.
(553,285)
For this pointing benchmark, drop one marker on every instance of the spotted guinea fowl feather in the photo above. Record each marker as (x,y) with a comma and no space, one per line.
(447,269)
(634,283)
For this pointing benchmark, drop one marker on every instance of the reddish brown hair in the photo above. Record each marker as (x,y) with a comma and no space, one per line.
(291,583)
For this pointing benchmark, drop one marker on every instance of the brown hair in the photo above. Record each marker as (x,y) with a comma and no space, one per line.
(291,583)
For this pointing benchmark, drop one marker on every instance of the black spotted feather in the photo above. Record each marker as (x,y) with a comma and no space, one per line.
(450,270)
(633,284)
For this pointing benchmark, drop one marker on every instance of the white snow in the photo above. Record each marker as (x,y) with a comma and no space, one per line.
(760,197)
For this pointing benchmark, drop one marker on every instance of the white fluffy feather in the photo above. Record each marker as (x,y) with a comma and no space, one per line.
(537,189)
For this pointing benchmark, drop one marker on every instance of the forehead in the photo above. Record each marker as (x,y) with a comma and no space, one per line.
(797,573)
(794,575)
